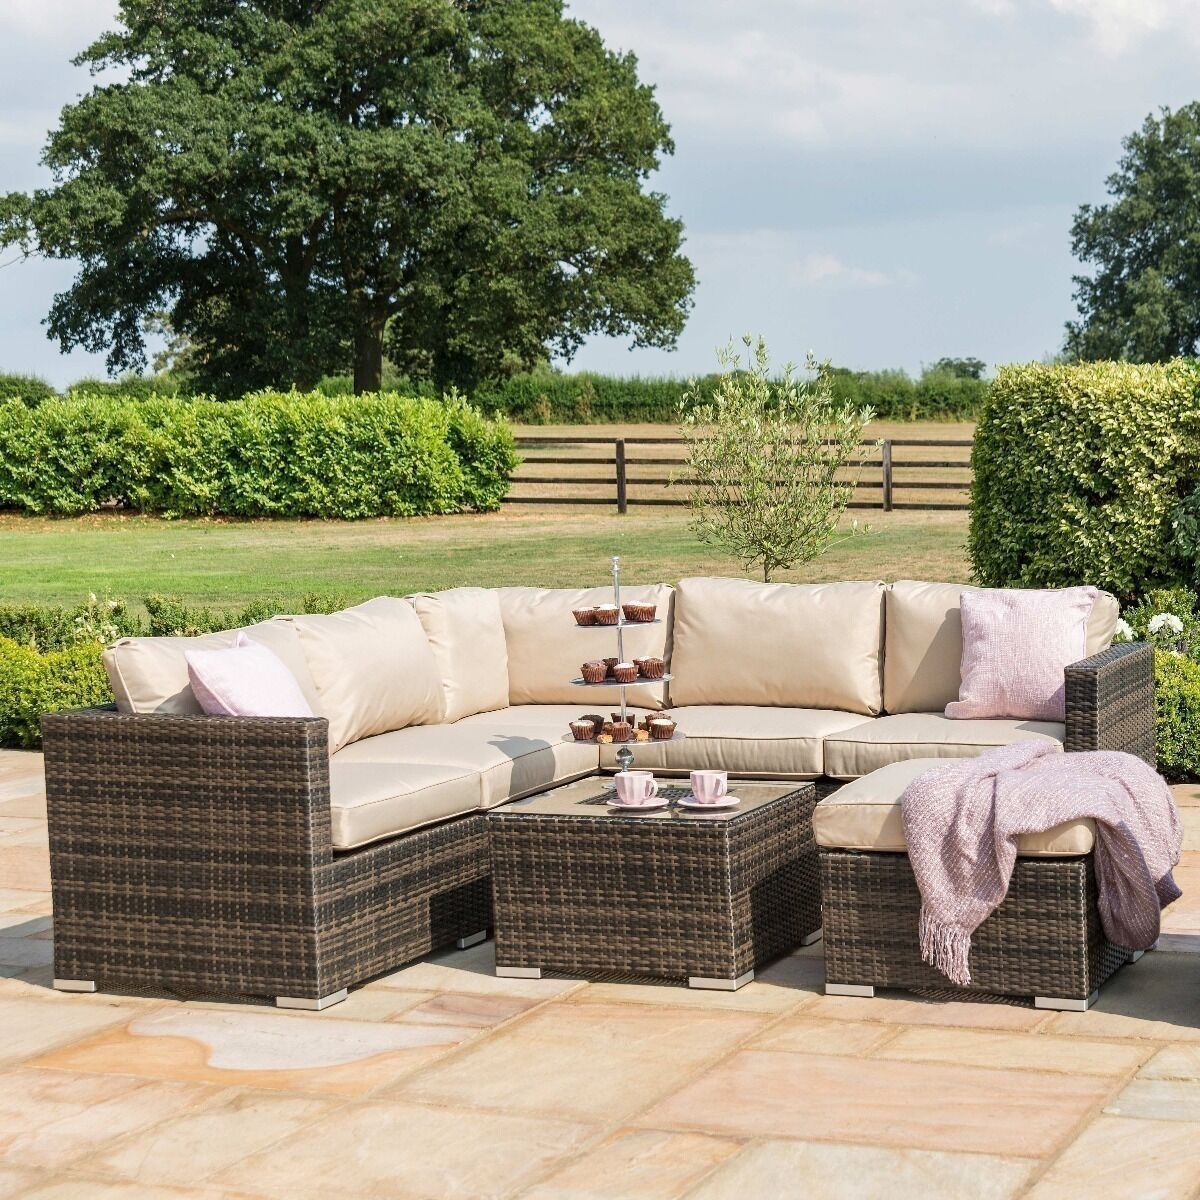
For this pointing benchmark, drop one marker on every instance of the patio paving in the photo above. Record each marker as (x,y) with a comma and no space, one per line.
(441,1081)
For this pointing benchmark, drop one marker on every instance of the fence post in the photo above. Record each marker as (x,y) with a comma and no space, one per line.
(622,498)
(886,463)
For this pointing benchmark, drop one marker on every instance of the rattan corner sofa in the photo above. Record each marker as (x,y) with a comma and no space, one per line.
(294,857)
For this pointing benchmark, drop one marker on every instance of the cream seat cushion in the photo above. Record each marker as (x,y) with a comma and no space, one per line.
(865,815)
(150,674)
(923,643)
(755,742)
(466,634)
(546,648)
(875,744)
(373,668)
(779,644)
(509,760)
(374,800)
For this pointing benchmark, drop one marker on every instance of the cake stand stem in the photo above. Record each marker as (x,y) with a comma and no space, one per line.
(624,755)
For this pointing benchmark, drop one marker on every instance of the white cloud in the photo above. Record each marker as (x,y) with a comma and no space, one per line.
(827,270)
(1118,26)
(74,22)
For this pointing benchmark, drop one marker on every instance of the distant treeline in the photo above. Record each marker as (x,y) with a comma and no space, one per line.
(951,390)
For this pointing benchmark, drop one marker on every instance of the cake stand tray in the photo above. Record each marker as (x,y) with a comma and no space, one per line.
(612,683)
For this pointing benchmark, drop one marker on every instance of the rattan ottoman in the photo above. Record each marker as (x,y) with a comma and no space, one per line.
(673,894)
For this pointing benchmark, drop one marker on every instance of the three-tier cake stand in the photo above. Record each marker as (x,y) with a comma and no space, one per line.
(625,753)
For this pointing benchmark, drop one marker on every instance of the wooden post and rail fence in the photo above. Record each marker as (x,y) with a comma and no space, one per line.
(622,472)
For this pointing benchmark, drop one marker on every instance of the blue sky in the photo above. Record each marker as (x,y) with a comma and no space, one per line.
(880,181)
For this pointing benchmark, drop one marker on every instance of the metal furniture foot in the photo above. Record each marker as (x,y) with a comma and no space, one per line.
(75,985)
(1137,954)
(519,972)
(309,1004)
(849,989)
(1064,1005)
(720,985)
(472,939)
(815,936)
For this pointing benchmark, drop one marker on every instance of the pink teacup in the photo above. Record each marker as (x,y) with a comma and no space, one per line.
(636,787)
(710,787)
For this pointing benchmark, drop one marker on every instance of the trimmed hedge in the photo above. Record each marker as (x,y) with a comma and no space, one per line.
(1078,470)
(268,455)
(1177,704)
(33,683)
(584,398)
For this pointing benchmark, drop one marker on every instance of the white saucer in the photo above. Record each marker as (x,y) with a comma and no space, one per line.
(658,804)
(689,801)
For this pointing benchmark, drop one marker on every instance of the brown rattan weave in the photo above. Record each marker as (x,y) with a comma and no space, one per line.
(1044,940)
(663,899)
(1110,701)
(193,854)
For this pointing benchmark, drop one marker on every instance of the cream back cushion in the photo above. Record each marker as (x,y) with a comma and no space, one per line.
(373,669)
(546,648)
(795,645)
(923,643)
(466,633)
(150,674)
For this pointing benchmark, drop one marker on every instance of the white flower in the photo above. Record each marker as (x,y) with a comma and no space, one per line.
(1124,632)
(1168,622)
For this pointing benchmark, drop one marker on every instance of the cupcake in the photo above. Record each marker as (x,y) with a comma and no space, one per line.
(662,729)
(584,616)
(625,672)
(622,731)
(650,668)
(609,663)
(596,719)
(606,614)
(583,730)
(595,671)
(638,612)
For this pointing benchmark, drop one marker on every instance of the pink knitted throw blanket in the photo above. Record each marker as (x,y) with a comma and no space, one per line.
(962,822)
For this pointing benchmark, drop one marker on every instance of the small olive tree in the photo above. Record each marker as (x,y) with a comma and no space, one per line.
(769,460)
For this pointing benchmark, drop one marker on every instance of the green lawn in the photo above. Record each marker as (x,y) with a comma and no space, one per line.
(221,562)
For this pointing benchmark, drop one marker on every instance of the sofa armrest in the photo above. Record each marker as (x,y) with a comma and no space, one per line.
(188,789)
(1110,701)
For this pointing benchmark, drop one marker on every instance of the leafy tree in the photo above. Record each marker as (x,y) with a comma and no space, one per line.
(958,368)
(1142,302)
(767,460)
(292,181)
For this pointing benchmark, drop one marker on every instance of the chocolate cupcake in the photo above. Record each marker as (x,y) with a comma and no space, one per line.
(625,672)
(622,731)
(662,729)
(583,730)
(650,668)
(609,663)
(584,616)
(606,614)
(638,612)
(596,719)
(595,671)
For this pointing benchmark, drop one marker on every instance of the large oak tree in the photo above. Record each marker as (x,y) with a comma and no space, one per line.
(302,183)
(1142,300)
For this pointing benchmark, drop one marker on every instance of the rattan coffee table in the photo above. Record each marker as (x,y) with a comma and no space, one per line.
(674,894)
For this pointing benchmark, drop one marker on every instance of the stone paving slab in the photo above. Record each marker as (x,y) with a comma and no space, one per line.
(441,1081)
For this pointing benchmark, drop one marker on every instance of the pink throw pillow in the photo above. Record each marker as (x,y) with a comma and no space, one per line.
(246,680)
(1016,647)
